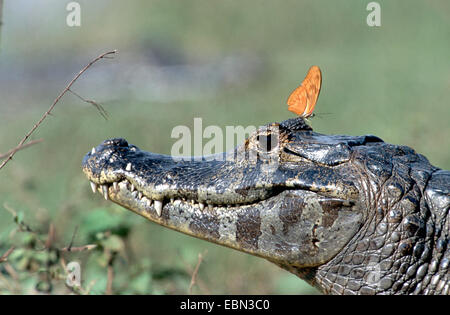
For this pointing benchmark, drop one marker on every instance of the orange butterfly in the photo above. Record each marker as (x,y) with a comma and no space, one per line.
(303,100)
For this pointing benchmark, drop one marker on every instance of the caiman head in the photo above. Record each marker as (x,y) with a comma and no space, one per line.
(293,196)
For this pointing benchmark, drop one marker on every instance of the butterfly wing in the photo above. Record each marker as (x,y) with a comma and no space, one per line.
(297,101)
(304,98)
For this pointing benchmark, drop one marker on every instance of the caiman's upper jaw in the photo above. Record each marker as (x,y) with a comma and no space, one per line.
(288,156)
(152,180)
(301,159)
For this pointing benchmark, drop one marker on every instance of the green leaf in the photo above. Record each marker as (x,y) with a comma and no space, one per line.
(114,243)
(100,220)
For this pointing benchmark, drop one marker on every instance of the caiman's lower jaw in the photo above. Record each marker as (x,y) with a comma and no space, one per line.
(117,190)
(128,195)
(293,227)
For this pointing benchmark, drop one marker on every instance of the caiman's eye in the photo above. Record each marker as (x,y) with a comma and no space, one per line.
(267,143)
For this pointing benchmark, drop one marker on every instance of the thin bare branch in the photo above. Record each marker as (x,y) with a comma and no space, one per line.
(79,248)
(109,282)
(99,107)
(4,257)
(11,271)
(29,144)
(6,283)
(71,248)
(67,88)
(195,272)
(10,210)
(50,236)
(73,238)
(23,227)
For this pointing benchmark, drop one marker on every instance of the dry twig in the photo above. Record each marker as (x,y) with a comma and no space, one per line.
(110,271)
(195,272)
(99,107)
(78,249)
(5,155)
(48,112)
(110,280)
(50,236)
(4,257)
(71,248)
(73,238)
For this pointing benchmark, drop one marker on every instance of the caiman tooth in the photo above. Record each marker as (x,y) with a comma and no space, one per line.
(147,201)
(93,151)
(172,200)
(94,187)
(192,202)
(140,195)
(116,186)
(105,191)
(158,207)
(128,168)
(201,205)
(132,187)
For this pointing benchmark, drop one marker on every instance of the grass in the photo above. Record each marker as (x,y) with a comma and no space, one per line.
(391,81)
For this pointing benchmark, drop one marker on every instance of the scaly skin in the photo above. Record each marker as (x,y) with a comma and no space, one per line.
(350,215)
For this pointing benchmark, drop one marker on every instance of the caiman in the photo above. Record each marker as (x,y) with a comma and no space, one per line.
(350,215)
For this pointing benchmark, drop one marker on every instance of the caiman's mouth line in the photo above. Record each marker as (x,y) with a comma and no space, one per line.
(110,190)
(141,203)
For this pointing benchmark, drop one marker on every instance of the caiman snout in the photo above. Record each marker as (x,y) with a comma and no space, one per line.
(118,142)
(102,163)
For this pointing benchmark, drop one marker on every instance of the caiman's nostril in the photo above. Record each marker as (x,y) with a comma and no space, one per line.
(119,142)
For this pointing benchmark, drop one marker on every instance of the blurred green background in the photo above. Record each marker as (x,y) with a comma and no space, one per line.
(228,62)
